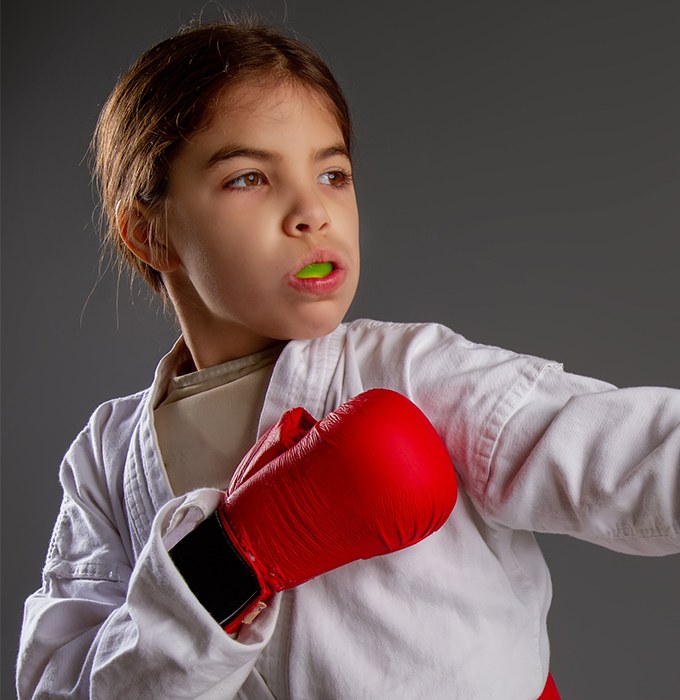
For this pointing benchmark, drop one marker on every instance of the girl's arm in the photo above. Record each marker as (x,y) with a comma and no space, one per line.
(102,626)
(584,458)
(538,448)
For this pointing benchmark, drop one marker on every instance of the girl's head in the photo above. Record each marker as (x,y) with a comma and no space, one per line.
(224,161)
(168,95)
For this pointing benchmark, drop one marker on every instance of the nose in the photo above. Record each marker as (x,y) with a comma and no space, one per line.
(307,215)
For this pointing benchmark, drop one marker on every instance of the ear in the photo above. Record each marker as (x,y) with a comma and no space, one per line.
(139,228)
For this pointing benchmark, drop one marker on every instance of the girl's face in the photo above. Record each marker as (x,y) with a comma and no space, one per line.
(255,199)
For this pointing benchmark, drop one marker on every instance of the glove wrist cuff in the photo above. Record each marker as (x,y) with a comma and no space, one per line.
(216,572)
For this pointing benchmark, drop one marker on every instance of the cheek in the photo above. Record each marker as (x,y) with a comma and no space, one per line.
(352,219)
(197,238)
(351,227)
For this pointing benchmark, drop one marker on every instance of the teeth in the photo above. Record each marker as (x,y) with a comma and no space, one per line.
(315,270)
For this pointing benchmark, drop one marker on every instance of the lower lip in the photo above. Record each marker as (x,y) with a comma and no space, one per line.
(321,286)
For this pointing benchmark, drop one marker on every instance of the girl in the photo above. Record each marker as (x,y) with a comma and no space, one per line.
(224,157)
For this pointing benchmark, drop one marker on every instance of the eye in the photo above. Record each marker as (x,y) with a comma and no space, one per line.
(247,181)
(336,178)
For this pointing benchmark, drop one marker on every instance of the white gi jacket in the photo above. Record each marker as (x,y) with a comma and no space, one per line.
(461,615)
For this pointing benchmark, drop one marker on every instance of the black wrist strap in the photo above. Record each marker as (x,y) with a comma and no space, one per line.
(215,572)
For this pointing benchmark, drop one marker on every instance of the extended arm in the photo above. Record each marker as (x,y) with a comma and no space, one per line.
(583,458)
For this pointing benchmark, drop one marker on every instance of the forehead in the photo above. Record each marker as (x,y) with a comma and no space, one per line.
(245,106)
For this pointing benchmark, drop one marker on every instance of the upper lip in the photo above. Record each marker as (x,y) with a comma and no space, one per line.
(320,255)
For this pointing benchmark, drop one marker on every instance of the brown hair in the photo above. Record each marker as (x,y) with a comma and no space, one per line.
(165,97)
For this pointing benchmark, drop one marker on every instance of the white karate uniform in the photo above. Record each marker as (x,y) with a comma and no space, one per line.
(461,615)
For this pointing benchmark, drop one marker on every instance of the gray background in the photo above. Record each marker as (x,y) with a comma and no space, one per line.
(518,169)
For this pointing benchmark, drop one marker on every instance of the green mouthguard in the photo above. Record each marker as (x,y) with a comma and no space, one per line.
(315,270)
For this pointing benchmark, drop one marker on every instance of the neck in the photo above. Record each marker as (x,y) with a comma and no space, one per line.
(216,345)
(213,341)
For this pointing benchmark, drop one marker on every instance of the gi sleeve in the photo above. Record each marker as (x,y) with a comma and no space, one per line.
(104,626)
(541,449)
(580,457)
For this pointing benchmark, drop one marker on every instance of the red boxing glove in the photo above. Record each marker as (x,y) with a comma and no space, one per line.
(371,478)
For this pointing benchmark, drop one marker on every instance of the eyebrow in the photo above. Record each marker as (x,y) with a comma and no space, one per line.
(338,149)
(229,152)
(235,151)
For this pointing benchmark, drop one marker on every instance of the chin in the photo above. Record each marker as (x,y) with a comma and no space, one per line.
(316,329)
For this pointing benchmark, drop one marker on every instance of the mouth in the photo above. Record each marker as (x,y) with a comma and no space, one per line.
(317,270)
(320,274)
